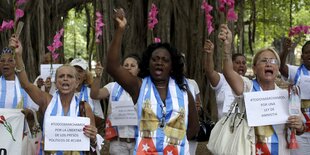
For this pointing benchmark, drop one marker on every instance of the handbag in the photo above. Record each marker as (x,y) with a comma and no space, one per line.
(231,135)
(205,127)
(31,141)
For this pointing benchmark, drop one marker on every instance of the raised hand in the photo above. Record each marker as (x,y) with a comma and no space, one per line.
(208,47)
(120,18)
(15,44)
(226,36)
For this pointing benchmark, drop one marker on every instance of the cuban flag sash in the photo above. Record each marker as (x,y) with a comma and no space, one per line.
(162,127)
(55,109)
(269,145)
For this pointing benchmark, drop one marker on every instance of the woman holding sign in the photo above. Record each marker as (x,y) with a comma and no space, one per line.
(121,136)
(269,139)
(63,102)
(167,116)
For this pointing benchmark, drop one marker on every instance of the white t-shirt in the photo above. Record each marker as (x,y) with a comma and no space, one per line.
(10,93)
(123,131)
(220,89)
(292,70)
(193,86)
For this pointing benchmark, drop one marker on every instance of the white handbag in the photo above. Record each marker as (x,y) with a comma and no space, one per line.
(231,135)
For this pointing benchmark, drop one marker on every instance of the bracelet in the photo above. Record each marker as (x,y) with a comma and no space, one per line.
(19,70)
(94,143)
(304,128)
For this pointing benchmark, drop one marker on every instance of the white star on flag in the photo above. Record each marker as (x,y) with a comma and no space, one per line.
(145,147)
(259,151)
(169,153)
(107,125)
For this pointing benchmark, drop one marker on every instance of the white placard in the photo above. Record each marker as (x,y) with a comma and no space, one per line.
(66,133)
(304,87)
(47,71)
(228,100)
(266,107)
(123,113)
(11,131)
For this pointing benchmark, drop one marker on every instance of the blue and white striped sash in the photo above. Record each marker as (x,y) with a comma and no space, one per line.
(273,140)
(20,99)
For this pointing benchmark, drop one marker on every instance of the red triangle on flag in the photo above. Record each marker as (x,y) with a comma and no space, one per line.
(262,149)
(146,147)
(171,150)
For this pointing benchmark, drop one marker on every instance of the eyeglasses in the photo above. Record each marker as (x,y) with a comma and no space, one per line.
(266,61)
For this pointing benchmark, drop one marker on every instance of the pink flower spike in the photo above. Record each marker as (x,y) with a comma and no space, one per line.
(208,18)
(7,25)
(99,25)
(231,15)
(51,48)
(157,40)
(55,55)
(152,19)
(19,13)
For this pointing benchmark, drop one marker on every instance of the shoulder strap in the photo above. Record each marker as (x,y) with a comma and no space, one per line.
(82,111)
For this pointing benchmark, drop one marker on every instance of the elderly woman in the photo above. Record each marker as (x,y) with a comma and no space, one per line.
(166,110)
(16,97)
(63,100)
(265,67)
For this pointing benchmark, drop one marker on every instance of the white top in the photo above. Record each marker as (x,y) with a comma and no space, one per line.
(292,70)
(193,86)
(10,93)
(279,129)
(220,89)
(123,131)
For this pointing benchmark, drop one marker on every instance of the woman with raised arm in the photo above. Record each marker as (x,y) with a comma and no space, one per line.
(167,116)
(63,100)
(266,64)
(217,80)
(122,141)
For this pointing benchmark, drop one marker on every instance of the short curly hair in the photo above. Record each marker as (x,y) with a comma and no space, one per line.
(177,71)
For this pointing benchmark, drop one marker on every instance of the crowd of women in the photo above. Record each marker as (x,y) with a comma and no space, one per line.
(163,103)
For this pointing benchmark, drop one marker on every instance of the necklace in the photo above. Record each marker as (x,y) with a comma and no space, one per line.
(161,87)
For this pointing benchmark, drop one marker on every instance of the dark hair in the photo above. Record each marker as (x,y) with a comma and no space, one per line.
(132,55)
(234,56)
(304,47)
(177,63)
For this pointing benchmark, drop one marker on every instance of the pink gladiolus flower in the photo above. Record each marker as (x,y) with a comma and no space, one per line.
(99,26)
(299,30)
(7,25)
(19,13)
(55,55)
(230,4)
(157,40)
(20,2)
(208,17)
(152,20)
(51,48)
(231,15)
(56,44)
